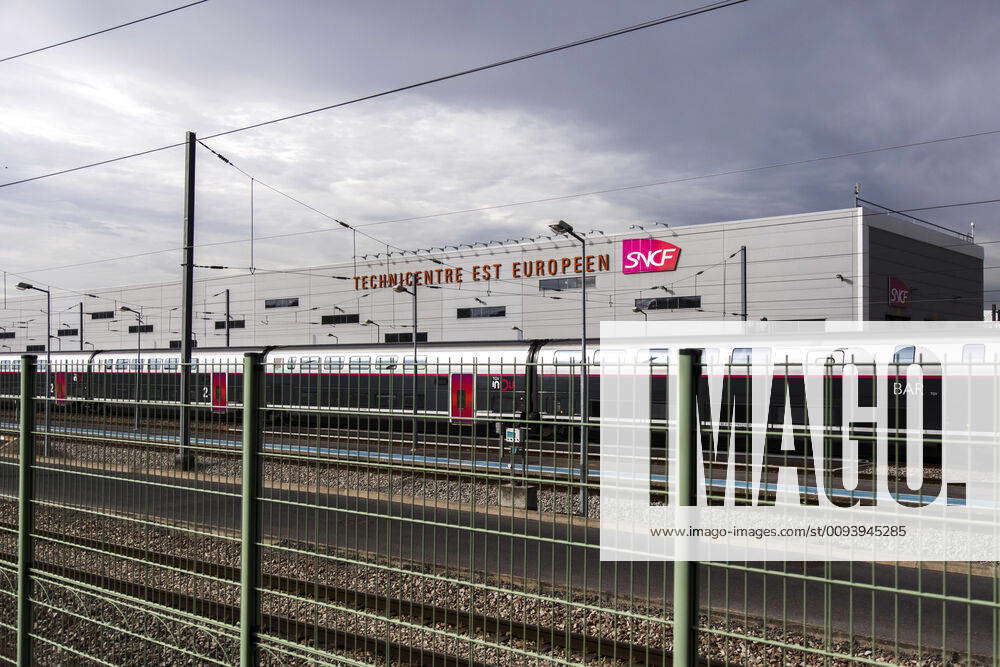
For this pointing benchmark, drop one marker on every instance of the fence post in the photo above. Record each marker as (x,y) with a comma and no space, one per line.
(24,510)
(250,525)
(686,571)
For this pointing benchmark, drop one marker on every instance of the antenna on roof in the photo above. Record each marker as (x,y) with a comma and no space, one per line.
(857,194)
(972,230)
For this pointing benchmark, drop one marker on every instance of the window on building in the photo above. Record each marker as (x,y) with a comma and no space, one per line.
(233,324)
(176,344)
(350,318)
(140,328)
(67,332)
(669,303)
(561,284)
(103,315)
(484,311)
(6,334)
(405,337)
(35,348)
(290,302)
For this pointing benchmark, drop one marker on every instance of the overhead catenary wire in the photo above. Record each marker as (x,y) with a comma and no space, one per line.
(689,13)
(102,31)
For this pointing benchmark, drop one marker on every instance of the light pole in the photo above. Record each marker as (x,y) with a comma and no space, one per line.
(645,315)
(226,292)
(87,342)
(520,333)
(378,329)
(138,358)
(565,229)
(335,336)
(402,290)
(48,356)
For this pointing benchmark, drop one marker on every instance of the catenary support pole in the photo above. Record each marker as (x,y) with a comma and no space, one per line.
(250,524)
(24,510)
(81,326)
(584,388)
(686,571)
(414,424)
(227,317)
(185,459)
(743,282)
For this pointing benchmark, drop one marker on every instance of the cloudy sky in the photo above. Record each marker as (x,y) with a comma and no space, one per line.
(763,82)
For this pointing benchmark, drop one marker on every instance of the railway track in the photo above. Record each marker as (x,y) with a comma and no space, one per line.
(419,613)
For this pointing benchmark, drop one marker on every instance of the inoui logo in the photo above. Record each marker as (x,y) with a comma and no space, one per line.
(647,255)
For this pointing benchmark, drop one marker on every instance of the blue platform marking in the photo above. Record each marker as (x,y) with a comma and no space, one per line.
(495,465)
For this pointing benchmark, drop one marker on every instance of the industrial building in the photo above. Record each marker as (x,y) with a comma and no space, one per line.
(848,264)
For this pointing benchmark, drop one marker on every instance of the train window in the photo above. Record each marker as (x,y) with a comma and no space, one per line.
(659,357)
(387,363)
(741,356)
(408,363)
(333,363)
(290,364)
(121,364)
(279,365)
(360,363)
(310,363)
(904,355)
(154,364)
(566,357)
(170,364)
(974,354)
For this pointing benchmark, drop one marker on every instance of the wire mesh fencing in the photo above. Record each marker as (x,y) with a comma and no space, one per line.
(392,509)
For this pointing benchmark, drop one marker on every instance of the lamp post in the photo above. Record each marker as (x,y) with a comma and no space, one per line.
(334,336)
(645,315)
(48,356)
(138,357)
(520,333)
(226,292)
(402,290)
(378,329)
(565,229)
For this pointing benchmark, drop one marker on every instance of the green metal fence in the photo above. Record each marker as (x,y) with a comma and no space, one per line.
(313,529)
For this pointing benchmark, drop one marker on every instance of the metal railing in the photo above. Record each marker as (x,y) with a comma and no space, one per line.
(311,531)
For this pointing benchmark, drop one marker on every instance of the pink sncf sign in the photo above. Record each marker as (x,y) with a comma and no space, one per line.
(648,255)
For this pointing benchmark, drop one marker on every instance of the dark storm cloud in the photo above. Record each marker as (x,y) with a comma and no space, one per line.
(763,82)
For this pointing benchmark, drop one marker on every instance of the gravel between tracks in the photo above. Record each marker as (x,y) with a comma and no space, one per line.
(536,603)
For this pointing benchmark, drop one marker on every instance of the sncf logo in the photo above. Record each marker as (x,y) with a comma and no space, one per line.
(647,255)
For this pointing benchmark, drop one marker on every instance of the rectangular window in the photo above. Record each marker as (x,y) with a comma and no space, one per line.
(332,363)
(405,337)
(67,332)
(360,363)
(233,324)
(140,328)
(103,315)
(290,302)
(484,311)
(340,319)
(176,344)
(35,348)
(668,302)
(408,363)
(561,284)
(386,363)
(6,334)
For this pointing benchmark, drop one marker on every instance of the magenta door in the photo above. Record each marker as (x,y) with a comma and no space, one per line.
(463,397)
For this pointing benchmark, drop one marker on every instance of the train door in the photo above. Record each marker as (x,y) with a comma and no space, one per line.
(219,387)
(59,388)
(463,397)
